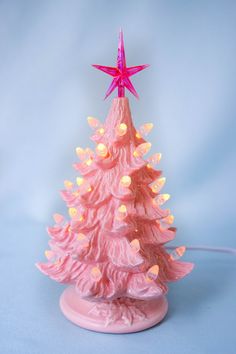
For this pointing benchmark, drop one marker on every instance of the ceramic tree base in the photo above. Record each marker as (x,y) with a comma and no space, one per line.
(120,316)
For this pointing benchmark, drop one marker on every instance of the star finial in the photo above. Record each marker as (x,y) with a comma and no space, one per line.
(121,73)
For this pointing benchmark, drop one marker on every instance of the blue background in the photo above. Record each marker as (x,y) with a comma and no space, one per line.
(48,88)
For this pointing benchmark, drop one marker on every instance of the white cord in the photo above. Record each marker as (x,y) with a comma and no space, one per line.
(208,249)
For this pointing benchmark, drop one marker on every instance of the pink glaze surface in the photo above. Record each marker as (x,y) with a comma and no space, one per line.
(120,316)
(104,266)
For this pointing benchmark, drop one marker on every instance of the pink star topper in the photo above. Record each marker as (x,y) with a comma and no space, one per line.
(121,73)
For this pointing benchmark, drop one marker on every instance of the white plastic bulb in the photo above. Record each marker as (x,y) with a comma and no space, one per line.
(135,245)
(125,181)
(96,273)
(152,273)
(101,150)
(142,149)
(121,129)
(94,122)
(177,253)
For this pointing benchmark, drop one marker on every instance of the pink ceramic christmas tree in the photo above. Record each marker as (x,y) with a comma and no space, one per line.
(111,251)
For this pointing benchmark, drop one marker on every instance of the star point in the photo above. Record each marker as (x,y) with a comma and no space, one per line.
(121,74)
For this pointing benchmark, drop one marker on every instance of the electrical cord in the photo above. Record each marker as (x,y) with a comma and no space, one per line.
(208,249)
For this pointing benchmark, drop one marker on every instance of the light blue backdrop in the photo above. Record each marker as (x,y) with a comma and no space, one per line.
(48,88)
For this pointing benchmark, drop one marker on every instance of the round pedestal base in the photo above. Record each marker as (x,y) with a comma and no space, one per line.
(123,315)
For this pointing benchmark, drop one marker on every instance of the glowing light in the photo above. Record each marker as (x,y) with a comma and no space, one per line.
(138,135)
(122,209)
(162,198)
(96,273)
(80,152)
(169,219)
(81,237)
(122,212)
(101,131)
(75,194)
(89,162)
(83,240)
(158,184)
(135,245)
(93,122)
(89,189)
(121,129)
(49,255)
(101,150)
(125,181)
(153,160)
(58,218)
(79,181)
(73,212)
(142,149)
(68,184)
(145,129)
(81,218)
(177,253)
(84,185)
(152,273)
(84,154)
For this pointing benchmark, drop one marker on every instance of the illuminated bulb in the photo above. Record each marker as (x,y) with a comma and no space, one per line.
(177,253)
(153,160)
(89,162)
(169,219)
(93,122)
(49,254)
(101,150)
(84,154)
(68,184)
(121,129)
(58,218)
(138,135)
(145,129)
(122,211)
(101,131)
(82,239)
(135,245)
(158,185)
(84,185)
(81,218)
(72,212)
(80,152)
(79,181)
(162,198)
(75,194)
(125,181)
(96,273)
(142,149)
(89,189)
(152,273)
